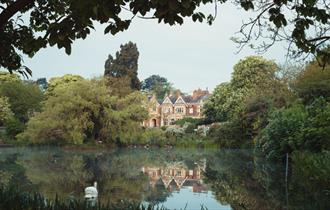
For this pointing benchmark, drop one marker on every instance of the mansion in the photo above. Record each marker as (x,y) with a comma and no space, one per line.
(173,108)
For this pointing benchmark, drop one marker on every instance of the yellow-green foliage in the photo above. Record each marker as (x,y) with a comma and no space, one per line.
(7,77)
(251,76)
(5,111)
(313,82)
(154,136)
(82,110)
(253,71)
(62,81)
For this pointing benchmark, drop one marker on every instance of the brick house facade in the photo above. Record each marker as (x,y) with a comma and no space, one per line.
(173,108)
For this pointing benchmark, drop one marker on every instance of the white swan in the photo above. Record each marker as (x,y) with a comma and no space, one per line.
(91,192)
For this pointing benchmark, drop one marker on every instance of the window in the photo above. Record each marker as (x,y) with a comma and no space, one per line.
(154,108)
(191,110)
(179,110)
(167,110)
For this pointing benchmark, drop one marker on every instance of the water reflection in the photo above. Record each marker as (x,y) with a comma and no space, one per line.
(216,179)
(175,175)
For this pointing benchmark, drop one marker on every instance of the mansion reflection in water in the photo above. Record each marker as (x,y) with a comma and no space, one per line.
(176,175)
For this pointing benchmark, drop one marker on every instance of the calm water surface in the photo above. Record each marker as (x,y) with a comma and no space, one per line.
(176,179)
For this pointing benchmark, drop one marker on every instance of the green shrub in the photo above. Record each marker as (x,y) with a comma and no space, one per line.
(282,133)
(14,127)
(229,135)
(296,128)
(189,120)
(153,136)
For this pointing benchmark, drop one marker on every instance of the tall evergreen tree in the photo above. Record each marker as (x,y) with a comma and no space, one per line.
(157,85)
(125,64)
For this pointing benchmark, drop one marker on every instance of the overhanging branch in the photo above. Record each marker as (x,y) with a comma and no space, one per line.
(11,10)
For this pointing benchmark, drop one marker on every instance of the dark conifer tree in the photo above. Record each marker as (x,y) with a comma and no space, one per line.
(125,64)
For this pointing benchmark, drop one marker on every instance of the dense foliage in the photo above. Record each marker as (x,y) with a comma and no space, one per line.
(5,111)
(157,85)
(264,109)
(24,98)
(124,65)
(296,128)
(62,81)
(19,101)
(82,110)
(244,102)
(313,82)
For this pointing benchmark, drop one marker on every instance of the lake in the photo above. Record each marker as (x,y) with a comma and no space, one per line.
(175,179)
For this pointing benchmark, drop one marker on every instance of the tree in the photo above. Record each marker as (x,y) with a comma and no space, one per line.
(157,85)
(84,110)
(5,111)
(6,77)
(24,98)
(125,64)
(223,104)
(62,81)
(294,129)
(313,82)
(62,22)
(253,72)
(120,87)
(251,76)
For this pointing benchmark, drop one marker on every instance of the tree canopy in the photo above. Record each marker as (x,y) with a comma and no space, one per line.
(24,97)
(251,75)
(64,80)
(84,110)
(6,77)
(313,82)
(157,85)
(5,111)
(125,64)
(304,24)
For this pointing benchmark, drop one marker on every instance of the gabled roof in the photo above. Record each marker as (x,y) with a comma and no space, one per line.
(153,98)
(167,100)
(185,99)
(180,100)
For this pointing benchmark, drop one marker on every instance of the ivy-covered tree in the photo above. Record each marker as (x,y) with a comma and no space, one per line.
(157,85)
(60,23)
(125,64)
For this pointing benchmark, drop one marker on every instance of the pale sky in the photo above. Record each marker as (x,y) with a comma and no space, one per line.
(191,56)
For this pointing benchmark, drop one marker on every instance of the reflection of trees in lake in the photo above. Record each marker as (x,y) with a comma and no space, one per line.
(118,173)
(56,173)
(230,175)
(12,173)
(235,177)
(246,182)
